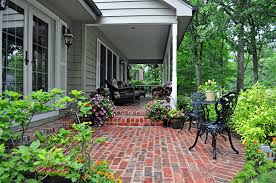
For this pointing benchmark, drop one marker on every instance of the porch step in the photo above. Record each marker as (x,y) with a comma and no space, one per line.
(132,121)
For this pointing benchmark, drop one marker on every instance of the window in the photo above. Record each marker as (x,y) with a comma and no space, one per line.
(28,49)
(40,55)
(107,64)
(12,48)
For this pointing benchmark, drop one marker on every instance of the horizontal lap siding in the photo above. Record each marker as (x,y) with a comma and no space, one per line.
(130,8)
(92,34)
(74,67)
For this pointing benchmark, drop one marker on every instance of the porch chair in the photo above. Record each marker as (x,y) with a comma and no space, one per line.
(224,109)
(196,113)
(121,95)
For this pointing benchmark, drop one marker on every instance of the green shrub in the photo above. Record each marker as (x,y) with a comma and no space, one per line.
(138,82)
(255,115)
(183,102)
(255,120)
(48,156)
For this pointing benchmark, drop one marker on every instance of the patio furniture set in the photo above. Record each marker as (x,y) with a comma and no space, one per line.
(224,108)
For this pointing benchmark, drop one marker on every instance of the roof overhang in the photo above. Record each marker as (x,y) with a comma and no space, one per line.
(76,10)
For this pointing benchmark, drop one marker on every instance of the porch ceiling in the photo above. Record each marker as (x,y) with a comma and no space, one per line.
(139,43)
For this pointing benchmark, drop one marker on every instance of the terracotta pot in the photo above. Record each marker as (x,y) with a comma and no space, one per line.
(210,96)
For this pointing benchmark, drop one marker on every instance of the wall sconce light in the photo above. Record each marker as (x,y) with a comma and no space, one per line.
(3,4)
(68,37)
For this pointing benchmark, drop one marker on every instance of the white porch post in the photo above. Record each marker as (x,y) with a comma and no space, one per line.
(174,65)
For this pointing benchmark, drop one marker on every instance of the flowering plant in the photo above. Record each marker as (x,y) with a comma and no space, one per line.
(158,109)
(175,113)
(102,108)
(99,171)
(209,85)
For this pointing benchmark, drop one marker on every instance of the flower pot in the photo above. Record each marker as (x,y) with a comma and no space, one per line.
(176,123)
(210,96)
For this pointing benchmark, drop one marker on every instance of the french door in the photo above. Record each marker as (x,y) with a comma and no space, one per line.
(26,39)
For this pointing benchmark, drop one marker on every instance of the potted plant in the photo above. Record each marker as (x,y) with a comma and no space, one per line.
(176,118)
(158,110)
(102,108)
(210,87)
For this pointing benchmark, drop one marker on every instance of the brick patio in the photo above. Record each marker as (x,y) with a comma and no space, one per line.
(158,154)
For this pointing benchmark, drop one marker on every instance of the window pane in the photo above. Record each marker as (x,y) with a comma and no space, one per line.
(114,65)
(12,48)
(40,54)
(109,65)
(102,66)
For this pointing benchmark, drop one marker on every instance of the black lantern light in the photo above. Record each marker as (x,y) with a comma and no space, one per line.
(68,37)
(3,4)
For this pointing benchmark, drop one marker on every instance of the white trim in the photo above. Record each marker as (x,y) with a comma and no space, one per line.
(118,69)
(136,20)
(83,39)
(43,9)
(182,8)
(174,66)
(98,75)
(88,9)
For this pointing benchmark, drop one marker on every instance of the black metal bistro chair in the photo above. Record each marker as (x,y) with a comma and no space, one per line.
(196,113)
(224,109)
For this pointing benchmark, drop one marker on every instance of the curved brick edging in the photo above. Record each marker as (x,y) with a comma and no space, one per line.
(157,154)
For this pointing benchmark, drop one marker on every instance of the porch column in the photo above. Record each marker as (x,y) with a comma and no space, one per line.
(174,65)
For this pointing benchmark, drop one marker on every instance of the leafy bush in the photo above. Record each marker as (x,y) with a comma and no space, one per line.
(158,109)
(255,115)
(255,120)
(138,82)
(183,102)
(65,154)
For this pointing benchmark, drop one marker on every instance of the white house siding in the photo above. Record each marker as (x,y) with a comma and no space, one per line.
(127,9)
(92,34)
(74,67)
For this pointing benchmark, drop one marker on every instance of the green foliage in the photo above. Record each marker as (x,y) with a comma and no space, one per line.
(138,82)
(210,85)
(183,103)
(48,156)
(255,120)
(175,113)
(255,115)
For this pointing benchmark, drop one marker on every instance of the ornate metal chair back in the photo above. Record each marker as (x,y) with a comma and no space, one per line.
(225,107)
(196,99)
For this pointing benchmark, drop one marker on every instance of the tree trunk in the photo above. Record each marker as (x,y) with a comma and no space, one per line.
(197,68)
(254,52)
(240,60)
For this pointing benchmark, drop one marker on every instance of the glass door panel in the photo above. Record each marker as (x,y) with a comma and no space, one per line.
(12,48)
(40,47)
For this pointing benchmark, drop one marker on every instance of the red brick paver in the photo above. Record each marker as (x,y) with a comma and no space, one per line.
(158,154)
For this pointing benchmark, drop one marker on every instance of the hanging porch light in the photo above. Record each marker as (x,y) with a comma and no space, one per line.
(3,4)
(68,36)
